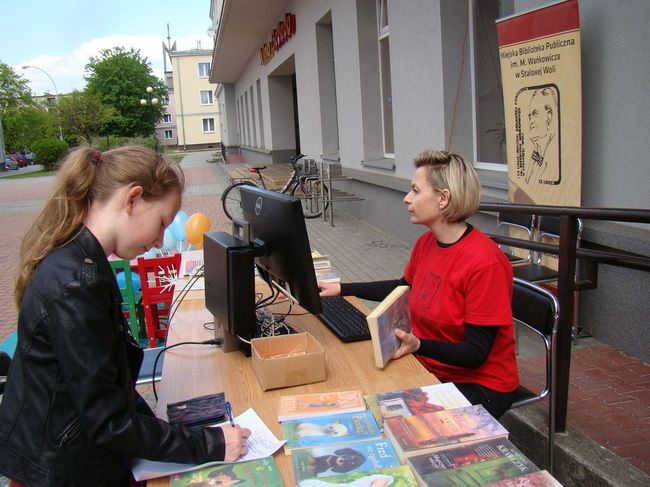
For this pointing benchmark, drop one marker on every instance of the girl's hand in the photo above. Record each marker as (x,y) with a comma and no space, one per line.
(329,288)
(409,343)
(235,438)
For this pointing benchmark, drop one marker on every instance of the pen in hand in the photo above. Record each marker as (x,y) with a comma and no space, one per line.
(229,413)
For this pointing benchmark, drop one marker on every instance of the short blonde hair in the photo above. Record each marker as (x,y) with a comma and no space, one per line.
(448,170)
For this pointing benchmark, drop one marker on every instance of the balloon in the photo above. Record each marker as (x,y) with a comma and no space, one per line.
(121,280)
(169,241)
(151,253)
(196,226)
(177,226)
(135,281)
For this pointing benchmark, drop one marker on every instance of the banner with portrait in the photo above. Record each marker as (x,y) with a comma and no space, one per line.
(540,69)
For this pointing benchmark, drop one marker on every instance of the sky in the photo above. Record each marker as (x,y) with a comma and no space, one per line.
(61,36)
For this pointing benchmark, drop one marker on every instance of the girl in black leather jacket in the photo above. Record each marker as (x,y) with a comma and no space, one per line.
(70,414)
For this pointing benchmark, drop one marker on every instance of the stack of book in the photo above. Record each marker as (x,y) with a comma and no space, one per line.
(431,436)
(323,268)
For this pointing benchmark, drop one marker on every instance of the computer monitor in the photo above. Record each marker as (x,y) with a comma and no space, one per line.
(276,220)
(275,239)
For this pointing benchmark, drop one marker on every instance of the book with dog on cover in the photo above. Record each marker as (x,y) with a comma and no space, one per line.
(332,429)
(429,432)
(399,476)
(320,404)
(392,313)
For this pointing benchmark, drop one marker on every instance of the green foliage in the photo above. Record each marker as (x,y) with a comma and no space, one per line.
(49,151)
(103,145)
(24,126)
(83,114)
(120,78)
(14,92)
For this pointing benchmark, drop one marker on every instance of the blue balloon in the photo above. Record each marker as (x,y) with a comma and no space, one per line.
(169,241)
(177,226)
(121,280)
(151,253)
(135,281)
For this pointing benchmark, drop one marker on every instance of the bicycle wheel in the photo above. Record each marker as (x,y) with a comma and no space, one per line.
(311,194)
(231,200)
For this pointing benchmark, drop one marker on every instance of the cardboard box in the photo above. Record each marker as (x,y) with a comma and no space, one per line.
(288,360)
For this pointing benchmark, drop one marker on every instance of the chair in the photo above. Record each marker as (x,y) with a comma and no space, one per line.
(157,278)
(517,222)
(130,298)
(538,309)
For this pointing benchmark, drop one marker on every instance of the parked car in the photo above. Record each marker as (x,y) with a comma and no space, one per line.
(20,159)
(10,163)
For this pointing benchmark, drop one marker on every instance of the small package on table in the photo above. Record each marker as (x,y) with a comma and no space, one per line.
(288,360)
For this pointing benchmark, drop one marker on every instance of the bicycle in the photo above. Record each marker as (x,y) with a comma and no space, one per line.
(302,183)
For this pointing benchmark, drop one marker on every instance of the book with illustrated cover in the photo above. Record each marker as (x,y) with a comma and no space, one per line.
(471,465)
(429,432)
(392,313)
(332,429)
(418,400)
(256,473)
(320,404)
(320,261)
(322,462)
(400,476)
(541,478)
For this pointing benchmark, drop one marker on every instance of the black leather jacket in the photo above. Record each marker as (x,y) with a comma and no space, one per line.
(70,415)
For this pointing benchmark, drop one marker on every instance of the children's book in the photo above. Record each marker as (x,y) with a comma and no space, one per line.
(400,476)
(320,404)
(340,459)
(541,478)
(418,400)
(256,473)
(471,465)
(392,313)
(429,432)
(332,429)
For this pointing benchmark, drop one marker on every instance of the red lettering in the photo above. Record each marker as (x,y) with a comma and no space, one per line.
(284,31)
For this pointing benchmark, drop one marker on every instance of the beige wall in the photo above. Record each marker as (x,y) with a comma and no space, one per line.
(190,113)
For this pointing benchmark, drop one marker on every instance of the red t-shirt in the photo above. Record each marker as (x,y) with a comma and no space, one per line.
(468,282)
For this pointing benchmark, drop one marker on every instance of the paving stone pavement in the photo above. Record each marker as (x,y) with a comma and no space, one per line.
(609,395)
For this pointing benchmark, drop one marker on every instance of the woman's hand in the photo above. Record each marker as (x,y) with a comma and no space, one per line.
(409,343)
(235,438)
(329,288)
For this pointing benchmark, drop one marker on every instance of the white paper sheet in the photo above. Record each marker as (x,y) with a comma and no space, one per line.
(261,443)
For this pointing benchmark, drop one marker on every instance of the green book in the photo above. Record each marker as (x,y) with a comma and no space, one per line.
(400,476)
(256,473)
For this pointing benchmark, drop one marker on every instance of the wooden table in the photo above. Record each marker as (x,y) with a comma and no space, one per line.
(193,370)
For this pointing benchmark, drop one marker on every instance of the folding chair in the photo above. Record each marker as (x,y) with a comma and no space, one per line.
(130,298)
(157,281)
(538,309)
(518,225)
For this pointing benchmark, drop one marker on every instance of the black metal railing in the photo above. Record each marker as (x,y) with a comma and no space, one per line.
(568,253)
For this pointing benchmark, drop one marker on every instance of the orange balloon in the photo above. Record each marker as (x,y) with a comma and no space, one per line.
(197,224)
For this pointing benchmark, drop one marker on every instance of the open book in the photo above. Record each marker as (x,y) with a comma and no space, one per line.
(392,313)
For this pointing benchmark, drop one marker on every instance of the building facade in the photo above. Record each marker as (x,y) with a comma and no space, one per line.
(195,112)
(166,133)
(371,83)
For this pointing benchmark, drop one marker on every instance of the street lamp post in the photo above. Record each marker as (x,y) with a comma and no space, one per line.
(56,95)
(150,98)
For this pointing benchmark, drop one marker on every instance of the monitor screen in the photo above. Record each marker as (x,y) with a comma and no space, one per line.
(276,219)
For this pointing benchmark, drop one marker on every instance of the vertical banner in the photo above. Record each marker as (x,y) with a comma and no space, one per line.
(540,69)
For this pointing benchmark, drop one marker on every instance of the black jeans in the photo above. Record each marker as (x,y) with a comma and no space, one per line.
(495,402)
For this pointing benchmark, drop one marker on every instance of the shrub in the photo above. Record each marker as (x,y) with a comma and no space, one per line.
(49,151)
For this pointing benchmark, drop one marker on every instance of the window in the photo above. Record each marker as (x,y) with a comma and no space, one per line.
(489,121)
(204,70)
(168,135)
(206,97)
(165,101)
(383,34)
(208,125)
(167,118)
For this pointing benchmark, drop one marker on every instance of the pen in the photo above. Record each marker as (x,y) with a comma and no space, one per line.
(229,413)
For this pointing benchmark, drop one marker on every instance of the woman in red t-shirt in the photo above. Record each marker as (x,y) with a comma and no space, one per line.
(461,287)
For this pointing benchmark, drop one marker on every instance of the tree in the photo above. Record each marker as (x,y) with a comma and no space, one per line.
(14,91)
(23,126)
(120,78)
(49,151)
(83,114)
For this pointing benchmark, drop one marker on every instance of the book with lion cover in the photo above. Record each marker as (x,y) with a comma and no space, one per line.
(392,313)
(320,404)
(429,432)
(328,430)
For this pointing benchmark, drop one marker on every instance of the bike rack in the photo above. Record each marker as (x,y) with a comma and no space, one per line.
(328,173)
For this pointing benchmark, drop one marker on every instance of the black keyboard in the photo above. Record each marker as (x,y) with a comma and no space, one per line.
(344,319)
